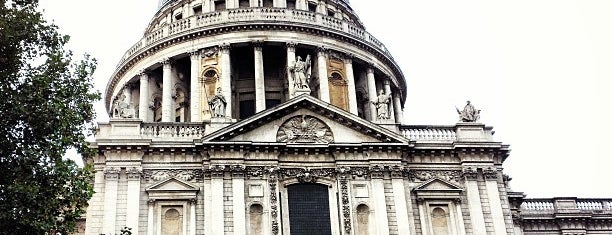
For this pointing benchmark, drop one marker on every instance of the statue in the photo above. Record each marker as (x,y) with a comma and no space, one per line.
(469,113)
(301,72)
(123,109)
(217,104)
(382,105)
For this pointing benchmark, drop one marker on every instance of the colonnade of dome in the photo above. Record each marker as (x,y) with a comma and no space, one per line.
(201,60)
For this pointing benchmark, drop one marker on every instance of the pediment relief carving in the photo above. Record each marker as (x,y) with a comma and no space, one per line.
(172,185)
(304,129)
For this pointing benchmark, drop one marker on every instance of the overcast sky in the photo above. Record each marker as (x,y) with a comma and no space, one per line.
(541,71)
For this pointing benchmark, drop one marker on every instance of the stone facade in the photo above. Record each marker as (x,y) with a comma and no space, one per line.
(285,117)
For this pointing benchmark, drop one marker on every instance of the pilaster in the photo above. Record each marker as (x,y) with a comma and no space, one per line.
(133,199)
(499,225)
(111,177)
(323,79)
(194,99)
(474,203)
(260,86)
(239,206)
(216,221)
(401,209)
(380,205)
(151,217)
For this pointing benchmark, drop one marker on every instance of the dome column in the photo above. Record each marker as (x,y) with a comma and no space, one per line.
(290,62)
(167,91)
(260,86)
(194,99)
(387,87)
(350,77)
(226,78)
(143,106)
(371,93)
(397,105)
(323,80)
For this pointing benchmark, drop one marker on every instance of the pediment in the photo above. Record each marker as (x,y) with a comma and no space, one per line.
(305,120)
(172,184)
(437,188)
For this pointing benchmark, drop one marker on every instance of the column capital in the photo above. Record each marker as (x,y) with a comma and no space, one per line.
(143,72)
(348,58)
(322,49)
(134,173)
(225,47)
(166,61)
(370,69)
(151,202)
(111,173)
(194,54)
(257,44)
(386,81)
(193,201)
(291,45)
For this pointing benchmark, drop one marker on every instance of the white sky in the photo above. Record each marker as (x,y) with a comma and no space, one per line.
(540,70)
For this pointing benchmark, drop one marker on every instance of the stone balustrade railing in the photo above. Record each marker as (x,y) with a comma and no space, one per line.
(561,205)
(429,133)
(278,15)
(172,130)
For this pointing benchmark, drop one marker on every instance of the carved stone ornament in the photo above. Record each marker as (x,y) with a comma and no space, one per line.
(111,173)
(424,175)
(305,175)
(304,129)
(186,175)
(470,173)
(210,52)
(489,173)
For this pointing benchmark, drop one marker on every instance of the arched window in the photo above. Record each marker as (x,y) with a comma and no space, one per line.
(363,220)
(256,219)
(439,221)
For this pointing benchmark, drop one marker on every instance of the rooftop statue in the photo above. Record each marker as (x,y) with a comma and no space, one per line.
(469,113)
(123,109)
(217,104)
(301,70)
(382,105)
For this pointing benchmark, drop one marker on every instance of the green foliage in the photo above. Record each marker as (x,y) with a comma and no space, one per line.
(46,108)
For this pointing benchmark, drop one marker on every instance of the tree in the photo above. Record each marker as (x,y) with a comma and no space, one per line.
(46,108)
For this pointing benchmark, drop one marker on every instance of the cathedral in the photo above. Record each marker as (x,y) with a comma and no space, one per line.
(284,117)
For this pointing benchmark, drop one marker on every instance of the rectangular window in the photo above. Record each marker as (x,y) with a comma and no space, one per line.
(291,4)
(312,7)
(244,4)
(197,10)
(219,5)
(268,3)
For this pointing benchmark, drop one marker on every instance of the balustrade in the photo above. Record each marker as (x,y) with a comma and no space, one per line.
(425,133)
(549,206)
(172,130)
(250,14)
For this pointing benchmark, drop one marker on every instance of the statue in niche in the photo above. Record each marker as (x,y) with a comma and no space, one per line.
(301,70)
(469,113)
(382,105)
(217,104)
(123,109)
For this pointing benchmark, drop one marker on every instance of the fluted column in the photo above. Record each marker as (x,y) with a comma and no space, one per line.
(371,93)
(226,78)
(167,91)
(133,198)
(194,99)
(387,87)
(143,106)
(290,62)
(260,86)
(350,77)
(397,105)
(323,79)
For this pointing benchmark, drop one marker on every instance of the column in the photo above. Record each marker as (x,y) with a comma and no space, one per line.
(380,206)
(111,176)
(497,213)
(143,106)
(207,206)
(423,217)
(478,223)
(460,223)
(387,87)
(194,99)
(239,204)
(371,93)
(133,199)
(192,216)
(167,91)
(350,77)
(323,79)
(290,62)
(226,78)
(397,105)
(217,221)
(260,86)
(401,210)
(151,217)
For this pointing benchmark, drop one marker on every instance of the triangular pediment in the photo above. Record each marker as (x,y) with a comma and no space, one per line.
(306,120)
(437,188)
(172,184)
